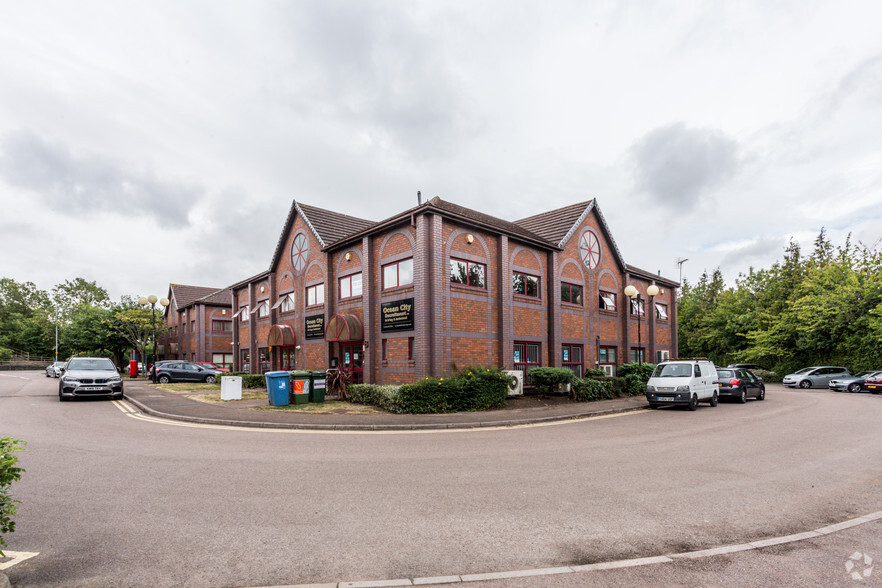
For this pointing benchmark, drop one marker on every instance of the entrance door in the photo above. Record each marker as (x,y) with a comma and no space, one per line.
(352,359)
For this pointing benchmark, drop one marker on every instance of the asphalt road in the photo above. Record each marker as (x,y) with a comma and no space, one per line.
(111,500)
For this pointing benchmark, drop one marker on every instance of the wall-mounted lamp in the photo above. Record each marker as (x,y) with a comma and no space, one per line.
(348,256)
(470,238)
(262,289)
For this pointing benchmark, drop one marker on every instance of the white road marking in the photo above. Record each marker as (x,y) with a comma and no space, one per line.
(17,557)
(16,377)
(129,410)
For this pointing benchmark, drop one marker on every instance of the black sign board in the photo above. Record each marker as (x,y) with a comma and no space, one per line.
(315,326)
(396,316)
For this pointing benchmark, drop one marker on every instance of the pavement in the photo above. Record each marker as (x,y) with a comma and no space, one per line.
(523,410)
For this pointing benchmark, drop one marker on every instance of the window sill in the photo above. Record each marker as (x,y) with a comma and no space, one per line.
(571,305)
(608,312)
(351,299)
(525,298)
(397,289)
(315,306)
(467,288)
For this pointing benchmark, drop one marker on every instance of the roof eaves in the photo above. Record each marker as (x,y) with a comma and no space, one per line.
(576,224)
(309,224)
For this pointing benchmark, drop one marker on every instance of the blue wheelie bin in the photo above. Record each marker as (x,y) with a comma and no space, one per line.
(278,385)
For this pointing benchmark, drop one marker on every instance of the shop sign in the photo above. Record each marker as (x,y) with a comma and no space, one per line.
(397,316)
(315,326)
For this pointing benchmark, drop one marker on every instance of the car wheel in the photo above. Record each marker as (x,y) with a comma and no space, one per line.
(854,387)
(805,384)
(693,403)
(762,393)
(715,400)
(209,379)
(743,398)
(164,379)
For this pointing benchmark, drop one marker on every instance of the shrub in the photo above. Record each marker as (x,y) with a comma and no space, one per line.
(385,397)
(594,373)
(641,370)
(548,378)
(9,473)
(768,376)
(5,354)
(585,389)
(634,385)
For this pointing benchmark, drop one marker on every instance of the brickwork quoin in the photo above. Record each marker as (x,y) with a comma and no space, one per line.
(477,284)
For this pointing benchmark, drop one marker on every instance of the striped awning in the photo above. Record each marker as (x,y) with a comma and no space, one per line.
(344,327)
(281,336)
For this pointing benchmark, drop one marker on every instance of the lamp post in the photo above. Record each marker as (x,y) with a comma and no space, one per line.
(634,294)
(151,300)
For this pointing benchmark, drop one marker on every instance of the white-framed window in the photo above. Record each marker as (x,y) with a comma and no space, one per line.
(315,295)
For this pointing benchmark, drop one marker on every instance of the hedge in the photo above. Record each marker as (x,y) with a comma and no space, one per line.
(249,381)
(585,389)
(473,388)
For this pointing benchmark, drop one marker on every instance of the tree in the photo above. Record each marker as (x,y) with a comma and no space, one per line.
(133,324)
(70,295)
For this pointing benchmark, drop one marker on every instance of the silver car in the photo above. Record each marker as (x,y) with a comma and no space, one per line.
(815,376)
(853,383)
(91,377)
(54,369)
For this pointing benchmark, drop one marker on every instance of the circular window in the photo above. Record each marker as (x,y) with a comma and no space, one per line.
(589,247)
(300,252)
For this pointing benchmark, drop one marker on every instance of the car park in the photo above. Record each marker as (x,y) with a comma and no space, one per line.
(683,382)
(53,370)
(91,377)
(740,384)
(211,366)
(819,376)
(854,383)
(182,371)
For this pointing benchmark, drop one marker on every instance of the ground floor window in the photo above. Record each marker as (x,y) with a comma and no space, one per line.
(263,358)
(246,360)
(606,357)
(286,358)
(526,356)
(572,359)
(662,355)
(385,349)
(410,348)
(638,355)
(224,360)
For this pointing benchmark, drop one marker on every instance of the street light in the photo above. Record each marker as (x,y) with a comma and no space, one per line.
(634,294)
(151,300)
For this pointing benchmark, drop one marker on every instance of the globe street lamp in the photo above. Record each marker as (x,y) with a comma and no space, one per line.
(634,294)
(151,300)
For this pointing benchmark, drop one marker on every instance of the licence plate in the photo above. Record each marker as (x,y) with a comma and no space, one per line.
(93,388)
(665,399)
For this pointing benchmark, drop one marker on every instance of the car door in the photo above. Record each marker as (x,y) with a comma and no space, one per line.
(752,383)
(191,372)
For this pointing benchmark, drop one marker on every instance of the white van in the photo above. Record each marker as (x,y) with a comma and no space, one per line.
(683,382)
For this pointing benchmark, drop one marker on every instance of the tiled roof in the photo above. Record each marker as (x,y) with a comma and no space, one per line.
(187,295)
(554,225)
(651,276)
(220,298)
(333,226)
(485,219)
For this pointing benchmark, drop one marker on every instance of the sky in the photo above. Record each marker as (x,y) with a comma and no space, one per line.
(148,143)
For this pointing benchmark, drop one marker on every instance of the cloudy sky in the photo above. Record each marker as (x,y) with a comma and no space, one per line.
(143,143)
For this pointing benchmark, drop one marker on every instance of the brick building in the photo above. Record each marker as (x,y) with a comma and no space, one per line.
(200,325)
(441,286)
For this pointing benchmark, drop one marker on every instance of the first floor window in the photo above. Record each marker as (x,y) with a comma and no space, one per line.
(468,273)
(221,326)
(638,307)
(263,309)
(526,356)
(315,295)
(350,286)
(638,355)
(571,293)
(398,274)
(608,301)
(525,284)
(572,359)
(288,302)
(224,360)
(661,311)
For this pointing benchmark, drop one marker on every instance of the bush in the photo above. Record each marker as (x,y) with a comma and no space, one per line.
(549,378)
(768,376)
(585,389)
(474,388)
(594,373)
(9,473)
(249,381)
(5,354)
(641,370)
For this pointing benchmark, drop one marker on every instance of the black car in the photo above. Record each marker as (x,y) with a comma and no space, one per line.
(747,366)
(740,384)
(182,371)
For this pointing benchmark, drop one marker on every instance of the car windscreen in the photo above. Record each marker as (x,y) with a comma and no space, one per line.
(90,364)
(672,370)
(805,370)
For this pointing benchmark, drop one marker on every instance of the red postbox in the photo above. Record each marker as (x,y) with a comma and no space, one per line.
(133,368)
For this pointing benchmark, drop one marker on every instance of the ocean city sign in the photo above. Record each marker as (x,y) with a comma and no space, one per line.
(396,316)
